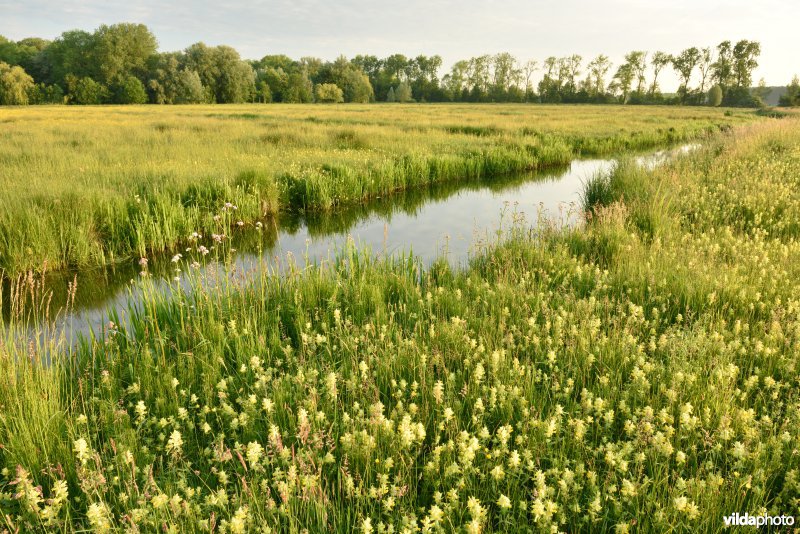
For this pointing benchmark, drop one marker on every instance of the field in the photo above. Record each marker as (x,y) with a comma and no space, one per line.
(636,373)
(85,187)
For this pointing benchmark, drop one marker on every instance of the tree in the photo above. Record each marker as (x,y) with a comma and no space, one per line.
(72,53)
(714,97)
(528,68)
(685,63)
(624,80)
(550,84)
(598,69)
(45,94)
(121,51)
(722,68)
(658,62)
(403,93)
(130,91)
(15,85)
(86,91)
(638,62)
(762,91)
(328,93)
(704,65)
(745,60)
(225,76)
(390,95)
(170,83)
(263,92)
(792,95)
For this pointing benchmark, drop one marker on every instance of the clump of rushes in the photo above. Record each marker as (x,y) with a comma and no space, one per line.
(545,386)
(90,187)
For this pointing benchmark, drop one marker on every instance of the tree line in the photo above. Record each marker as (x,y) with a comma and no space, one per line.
(121,64)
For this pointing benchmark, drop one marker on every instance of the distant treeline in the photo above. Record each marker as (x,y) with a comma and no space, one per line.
(121,64)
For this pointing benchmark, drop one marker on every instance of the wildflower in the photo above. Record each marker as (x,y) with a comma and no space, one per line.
(175,443)
(81,449)
(141,411)
(97,514)
(254,453)
(504,502)
(240,223)
(143,262)
(238,522)
(366,526)
(498,473)
(330,384)
(176,258)
(438,391)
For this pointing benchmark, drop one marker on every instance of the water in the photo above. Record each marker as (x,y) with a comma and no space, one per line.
(442,220)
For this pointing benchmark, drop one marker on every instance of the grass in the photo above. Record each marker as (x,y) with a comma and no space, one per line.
(636,374)
(93,186)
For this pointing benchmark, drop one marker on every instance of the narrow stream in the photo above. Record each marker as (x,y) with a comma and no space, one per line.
(441,220)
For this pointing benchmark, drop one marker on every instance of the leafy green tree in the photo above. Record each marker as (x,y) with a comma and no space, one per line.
(226,78)
(623,81)
(792,95)
(263,92)
(762,91)
(86,91)
(121,51)
(15,85)
(684,64)
(550,84)
(745,60)
(71,54)
(714,97)
(658,62)
(9,52)
(455,83)
(722,68)
(528,69)
(130,91)
(598,69)
(704,66)
(299,88)
(328,93)
(46,94)
(404,93)
(171,83)
(390,96)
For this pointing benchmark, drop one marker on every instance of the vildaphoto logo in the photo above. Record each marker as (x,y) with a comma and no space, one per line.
(747,520)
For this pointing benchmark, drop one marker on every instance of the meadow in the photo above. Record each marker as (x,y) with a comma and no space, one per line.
(87,187)
(638,373)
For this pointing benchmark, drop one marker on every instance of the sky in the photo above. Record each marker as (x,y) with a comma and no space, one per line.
(532,29)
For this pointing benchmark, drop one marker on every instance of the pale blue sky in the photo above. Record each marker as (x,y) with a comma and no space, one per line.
(453,29)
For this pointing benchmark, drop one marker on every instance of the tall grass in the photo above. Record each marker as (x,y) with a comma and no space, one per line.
(90,187)
(618,376)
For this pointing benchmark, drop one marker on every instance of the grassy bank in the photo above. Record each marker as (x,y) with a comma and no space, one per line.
(640,374)
(91,186)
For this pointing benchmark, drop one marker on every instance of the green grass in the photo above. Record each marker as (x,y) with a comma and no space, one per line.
(636,374)
(93,186)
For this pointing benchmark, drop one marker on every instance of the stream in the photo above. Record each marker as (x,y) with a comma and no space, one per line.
(445,219)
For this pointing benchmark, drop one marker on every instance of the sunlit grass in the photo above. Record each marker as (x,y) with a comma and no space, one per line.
(636,374)
(83,187)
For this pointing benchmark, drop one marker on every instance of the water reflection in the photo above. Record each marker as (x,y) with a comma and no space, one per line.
(443,219)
